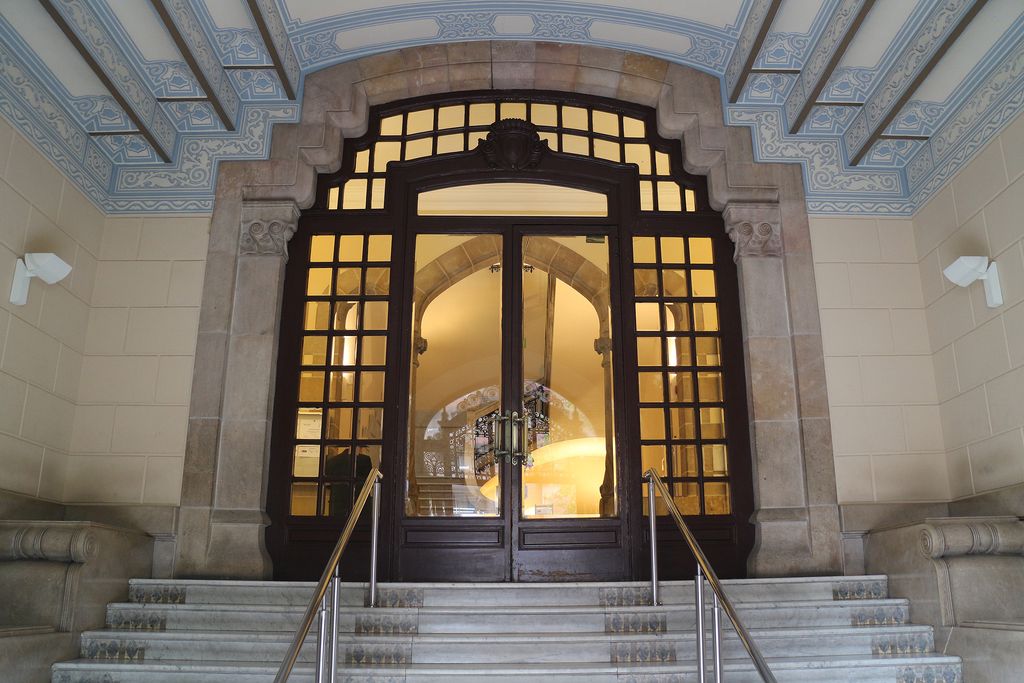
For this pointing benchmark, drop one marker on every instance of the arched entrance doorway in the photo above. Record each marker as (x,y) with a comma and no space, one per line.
(480,258)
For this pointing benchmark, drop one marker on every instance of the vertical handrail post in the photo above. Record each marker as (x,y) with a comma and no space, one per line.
(698,586)
(335,593)
(652,519)
(321,641)
(716,635)
(375,524)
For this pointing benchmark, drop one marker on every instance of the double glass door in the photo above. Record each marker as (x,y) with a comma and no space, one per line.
(511,470)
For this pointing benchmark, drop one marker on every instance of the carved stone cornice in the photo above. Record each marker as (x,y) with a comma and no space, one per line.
(756,229)
(267,227)
(979,536)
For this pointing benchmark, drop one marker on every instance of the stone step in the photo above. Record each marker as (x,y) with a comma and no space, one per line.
(836,669)
(212,646)
(485,619)
(159,591)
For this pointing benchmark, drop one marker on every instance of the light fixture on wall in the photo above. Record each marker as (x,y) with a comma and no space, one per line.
(967,269)
(49,268)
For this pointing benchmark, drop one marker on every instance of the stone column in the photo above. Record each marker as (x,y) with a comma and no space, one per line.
(784,526)
(228,526)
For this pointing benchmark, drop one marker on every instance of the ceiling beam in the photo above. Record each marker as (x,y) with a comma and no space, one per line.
(182,23)
(823,58)
(748,46)
(275,37)
(100,51)
(915,62)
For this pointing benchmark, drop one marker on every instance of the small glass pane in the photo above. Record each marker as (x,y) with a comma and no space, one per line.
(378,281)
(603,149)
(321,248)
(716,498)
(355,194)
(371,387)
(645,282)
(384,153)
(333,196)
(346,316)
(446,144)
(668,197)
(374,351)
(303,499)
(708,351)
(422,147)
(672,250)
(648,351)
(716,460)
(691,200)
(633,128)
(380,248)
(343,387)
(648,317)
(339,423)
(661,163)
(675,283)
(650,387)
(311,386)
(705,317)
(451,117)
(362,164)
(371,422)
(701,250)
(679,351)
(544,114)
(703,282)
(481,114)
(575,118)
(419,121)
(643,250)
(576,144)
(392,125)
(680,387)
(677,317)
(681,422)
(687,497)
(349,281)
(337,499)
(606,123)
(712,423)
(377,192)
(343,351)
(318,315)
(375,315)
(654,457)
(652,423)
(314,350)
(351,248)
(319,282)
(709,387)
(307,423)
(368,456)
(306,462)
(513,110)
(646,195)
(684,460)
(641,156)
(338,463)
(551,139)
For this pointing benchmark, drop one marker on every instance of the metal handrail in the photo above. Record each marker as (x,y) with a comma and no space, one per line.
(703,568)
(330,579)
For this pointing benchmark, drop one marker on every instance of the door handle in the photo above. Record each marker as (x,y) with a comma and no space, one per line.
(499,437)
(520,440)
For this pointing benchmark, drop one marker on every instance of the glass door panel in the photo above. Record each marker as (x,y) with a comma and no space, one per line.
(456,381)
(569,471)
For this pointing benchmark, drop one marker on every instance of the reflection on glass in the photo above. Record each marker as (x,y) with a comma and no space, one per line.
(455,385)
(567,387)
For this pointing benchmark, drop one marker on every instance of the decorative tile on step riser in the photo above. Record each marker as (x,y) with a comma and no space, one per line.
(400,597)
(902,644)
(930,674)
(624,596)
(377,654)
(635,623)
(642,652)
(157,595)
(859,590)
(136,621)
(385,624)
(120,650)
(879,616)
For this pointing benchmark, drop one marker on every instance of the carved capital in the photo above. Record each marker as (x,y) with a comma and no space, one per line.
(992,536)
(755,229)
(267,227)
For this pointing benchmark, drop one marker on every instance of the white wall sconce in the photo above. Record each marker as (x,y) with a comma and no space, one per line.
(49,268)
(967,269)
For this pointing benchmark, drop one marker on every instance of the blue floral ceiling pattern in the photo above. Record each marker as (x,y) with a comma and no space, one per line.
(881,103)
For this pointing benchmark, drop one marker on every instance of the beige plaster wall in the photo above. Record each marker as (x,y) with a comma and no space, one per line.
(978,351)
(41,343)
(886,427)
(128,441)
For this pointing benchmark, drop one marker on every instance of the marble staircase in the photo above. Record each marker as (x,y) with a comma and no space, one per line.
(820,629)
